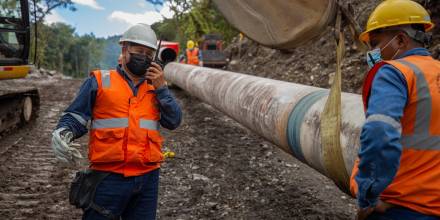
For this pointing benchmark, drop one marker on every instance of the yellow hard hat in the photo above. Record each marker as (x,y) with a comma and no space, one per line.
(190,44)
(396,12)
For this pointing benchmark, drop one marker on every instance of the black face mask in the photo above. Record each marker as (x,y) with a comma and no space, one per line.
(138,64)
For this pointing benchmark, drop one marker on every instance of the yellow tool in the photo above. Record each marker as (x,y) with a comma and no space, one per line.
(169,154)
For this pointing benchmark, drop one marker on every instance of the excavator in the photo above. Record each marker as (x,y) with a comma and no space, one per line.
(19,104)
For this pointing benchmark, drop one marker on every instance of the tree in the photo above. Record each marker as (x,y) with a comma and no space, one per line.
(110,53)
(39,9)
(166,29)
(59,37)
(192,19)
(179,8)
(66,52)
(84,55)
(45,7)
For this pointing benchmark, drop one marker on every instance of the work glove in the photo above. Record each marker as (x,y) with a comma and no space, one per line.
(63,146)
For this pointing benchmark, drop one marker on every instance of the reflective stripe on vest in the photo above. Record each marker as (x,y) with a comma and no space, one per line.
(421,139)
(149,124)
(105,78)
(123,123)
(385,119)
(110,123)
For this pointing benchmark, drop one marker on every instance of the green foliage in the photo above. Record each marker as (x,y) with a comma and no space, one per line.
(110,53)
(10,9)
(59,48)
(192,19)
(166,29)
(84,55)
(45,7)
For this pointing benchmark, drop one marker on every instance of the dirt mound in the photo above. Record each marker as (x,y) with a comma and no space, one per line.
(46,74)
(314,63)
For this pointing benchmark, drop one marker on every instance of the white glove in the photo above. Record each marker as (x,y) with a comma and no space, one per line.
(62,146)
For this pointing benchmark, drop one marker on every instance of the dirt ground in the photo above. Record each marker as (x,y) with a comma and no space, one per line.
(223,171)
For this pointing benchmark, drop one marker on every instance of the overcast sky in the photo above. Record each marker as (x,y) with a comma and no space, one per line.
(108,17)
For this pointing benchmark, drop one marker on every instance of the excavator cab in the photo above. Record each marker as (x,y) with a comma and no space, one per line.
(14,38)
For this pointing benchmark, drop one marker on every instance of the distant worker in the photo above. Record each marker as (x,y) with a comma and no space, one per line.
(125,113)
(397,175)
(192,54)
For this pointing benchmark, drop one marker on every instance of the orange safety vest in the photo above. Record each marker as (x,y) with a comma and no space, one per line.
(124,134)
(192,56)
(417,183)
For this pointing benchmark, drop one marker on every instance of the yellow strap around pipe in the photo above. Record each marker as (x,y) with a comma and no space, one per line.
(331,121)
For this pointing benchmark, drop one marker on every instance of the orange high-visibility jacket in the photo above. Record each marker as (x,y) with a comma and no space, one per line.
(192,56)
(124,134)
(417,182)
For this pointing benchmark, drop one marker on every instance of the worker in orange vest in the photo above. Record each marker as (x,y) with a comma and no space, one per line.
(397,175)
(193,55)
(125,108)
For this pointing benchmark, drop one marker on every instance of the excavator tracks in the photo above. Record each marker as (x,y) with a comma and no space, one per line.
(18,106)
(33,185)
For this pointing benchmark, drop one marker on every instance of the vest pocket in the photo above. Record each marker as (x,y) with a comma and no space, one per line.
(107,145)
(154,145)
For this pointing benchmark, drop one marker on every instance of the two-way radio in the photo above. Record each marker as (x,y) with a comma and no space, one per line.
(156,59)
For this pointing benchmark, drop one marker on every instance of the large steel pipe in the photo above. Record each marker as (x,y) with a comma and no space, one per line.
(286,114)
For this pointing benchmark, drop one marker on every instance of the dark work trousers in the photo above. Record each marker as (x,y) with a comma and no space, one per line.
(400,213)
(131,198)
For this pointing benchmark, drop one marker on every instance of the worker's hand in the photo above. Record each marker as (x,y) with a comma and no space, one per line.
(363,213)
(63,147)
(155,74)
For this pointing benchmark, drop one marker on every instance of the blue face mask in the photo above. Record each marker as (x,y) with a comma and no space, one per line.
(375,56)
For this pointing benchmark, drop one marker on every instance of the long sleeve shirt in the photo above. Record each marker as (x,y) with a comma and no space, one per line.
(381,149)
(76,116)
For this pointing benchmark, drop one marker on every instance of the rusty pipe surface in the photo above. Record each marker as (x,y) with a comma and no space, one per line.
(286,114)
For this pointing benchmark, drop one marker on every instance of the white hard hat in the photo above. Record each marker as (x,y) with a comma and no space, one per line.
(140,34)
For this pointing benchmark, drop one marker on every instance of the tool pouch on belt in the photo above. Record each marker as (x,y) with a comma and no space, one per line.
(83,188)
